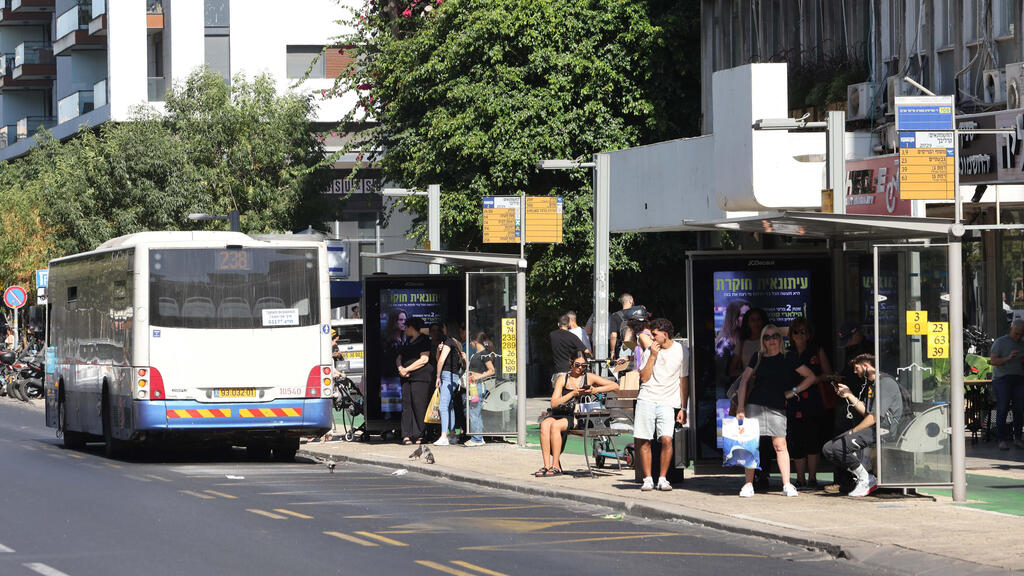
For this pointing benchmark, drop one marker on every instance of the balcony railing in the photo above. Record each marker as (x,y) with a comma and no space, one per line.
(29,125)
(99,8)
(99,93)
(157,88)
(74,105)
(34,52)
(6,64)
(8,135)
(75,18)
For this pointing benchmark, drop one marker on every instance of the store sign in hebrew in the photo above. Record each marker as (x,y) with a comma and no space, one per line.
(872,187)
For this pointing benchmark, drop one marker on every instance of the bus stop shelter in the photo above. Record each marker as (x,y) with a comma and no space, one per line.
(494,304)
(916,272)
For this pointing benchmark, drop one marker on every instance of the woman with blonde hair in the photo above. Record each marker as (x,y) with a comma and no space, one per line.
(768,380)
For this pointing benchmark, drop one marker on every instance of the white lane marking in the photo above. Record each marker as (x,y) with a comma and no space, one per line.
(770,522)
(40,568)
(6,550)
(155,477)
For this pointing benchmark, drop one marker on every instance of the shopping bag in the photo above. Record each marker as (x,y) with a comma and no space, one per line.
(681,446)
(433,415)
(740,443)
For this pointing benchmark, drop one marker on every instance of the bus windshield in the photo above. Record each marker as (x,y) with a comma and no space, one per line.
(225,288)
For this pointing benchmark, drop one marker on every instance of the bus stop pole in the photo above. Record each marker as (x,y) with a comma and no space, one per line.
(521,353)
(956,366)
(434,222)
(602,225)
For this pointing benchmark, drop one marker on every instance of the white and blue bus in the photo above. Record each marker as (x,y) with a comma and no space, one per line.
(183,336)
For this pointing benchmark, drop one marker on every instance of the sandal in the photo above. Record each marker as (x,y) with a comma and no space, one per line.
(542,472)
(553,472)
(406,441)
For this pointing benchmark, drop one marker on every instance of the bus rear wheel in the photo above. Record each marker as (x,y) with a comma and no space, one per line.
(285,450)
(72,440)
(113,448)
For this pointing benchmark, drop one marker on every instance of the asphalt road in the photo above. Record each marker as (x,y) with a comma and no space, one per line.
(77,513)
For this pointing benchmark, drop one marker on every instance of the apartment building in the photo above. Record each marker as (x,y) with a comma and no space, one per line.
(66,63)
(970,48)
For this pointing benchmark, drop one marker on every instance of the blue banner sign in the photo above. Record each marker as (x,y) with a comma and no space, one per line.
(924,113)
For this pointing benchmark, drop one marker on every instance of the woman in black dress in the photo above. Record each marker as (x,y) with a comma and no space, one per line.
(417,374)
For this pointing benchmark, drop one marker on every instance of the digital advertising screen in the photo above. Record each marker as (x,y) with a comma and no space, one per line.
(724,288)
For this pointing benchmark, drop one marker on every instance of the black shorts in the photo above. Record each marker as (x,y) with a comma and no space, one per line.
(804,436)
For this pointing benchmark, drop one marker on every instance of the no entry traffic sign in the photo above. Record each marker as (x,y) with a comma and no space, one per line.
(15,297)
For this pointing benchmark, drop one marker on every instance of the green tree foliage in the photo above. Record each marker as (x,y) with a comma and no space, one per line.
(216,148)
(471,95)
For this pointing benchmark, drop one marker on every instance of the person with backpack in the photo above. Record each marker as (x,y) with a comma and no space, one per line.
(450,365)
(846,450)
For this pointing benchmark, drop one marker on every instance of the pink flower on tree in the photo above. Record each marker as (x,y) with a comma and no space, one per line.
(407,13)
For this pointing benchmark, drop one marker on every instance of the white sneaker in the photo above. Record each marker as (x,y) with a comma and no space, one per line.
(648,484)
(789,491)
(442,441)
(865,487)
(747,491)
(663,485)
(472,442)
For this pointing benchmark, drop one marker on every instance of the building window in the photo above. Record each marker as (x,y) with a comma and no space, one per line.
(217,16)
(217,13)
(301,57)
(218,55)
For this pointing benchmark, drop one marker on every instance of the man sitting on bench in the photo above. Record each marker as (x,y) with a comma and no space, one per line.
(562,415)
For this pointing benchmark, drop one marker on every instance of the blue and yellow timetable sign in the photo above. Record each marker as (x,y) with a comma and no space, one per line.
(927,147)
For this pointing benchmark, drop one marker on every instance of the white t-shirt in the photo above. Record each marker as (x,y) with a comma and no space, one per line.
(663,387)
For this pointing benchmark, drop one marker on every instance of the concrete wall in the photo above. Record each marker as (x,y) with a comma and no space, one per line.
(126,54)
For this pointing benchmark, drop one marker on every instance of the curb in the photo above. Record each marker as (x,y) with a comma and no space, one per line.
(886,558)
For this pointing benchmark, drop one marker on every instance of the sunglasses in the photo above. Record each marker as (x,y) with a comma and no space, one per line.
(775,336)
(802,331)
(579,364)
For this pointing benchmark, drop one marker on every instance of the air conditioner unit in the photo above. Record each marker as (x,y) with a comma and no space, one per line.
(1015,85)
(896,86)
(860,98)
(994,89)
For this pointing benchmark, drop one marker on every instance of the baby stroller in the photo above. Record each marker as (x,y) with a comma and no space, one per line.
(349,401)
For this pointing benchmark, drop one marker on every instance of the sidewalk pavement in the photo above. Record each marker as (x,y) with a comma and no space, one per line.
(908,534)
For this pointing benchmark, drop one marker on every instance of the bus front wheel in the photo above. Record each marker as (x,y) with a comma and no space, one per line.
(113,447)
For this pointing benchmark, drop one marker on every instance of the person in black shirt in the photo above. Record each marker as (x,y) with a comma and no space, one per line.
(449,370)
(417,374)
(770,373)
(806,415)
(564,346)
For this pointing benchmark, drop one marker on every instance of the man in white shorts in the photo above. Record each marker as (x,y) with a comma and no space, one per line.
(664,386)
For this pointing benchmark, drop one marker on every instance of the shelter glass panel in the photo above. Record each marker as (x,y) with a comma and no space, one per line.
(912,383)
(492,335)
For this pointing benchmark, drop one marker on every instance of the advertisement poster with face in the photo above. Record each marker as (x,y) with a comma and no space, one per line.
(397,306)
(782,295)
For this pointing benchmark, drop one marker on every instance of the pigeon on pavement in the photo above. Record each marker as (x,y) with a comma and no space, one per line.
(428,456)
(416,453)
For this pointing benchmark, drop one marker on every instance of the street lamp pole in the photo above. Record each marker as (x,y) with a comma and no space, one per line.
(233,219)
(602,229)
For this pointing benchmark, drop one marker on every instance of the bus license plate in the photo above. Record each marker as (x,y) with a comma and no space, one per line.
(236,392)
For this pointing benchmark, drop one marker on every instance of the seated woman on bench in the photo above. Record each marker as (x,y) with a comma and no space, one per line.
(562,415)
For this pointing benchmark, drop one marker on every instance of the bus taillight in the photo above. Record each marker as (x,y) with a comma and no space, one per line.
(313,383)
(156,384)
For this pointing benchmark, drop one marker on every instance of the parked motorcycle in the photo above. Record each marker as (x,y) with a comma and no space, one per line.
(31,375)
(7,372)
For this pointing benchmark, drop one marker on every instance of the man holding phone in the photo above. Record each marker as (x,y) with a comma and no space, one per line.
(661,402)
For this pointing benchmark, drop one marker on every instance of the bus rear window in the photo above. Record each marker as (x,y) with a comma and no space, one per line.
(233,288)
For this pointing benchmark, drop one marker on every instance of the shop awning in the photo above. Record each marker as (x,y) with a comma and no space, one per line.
(840,227)
(450,258)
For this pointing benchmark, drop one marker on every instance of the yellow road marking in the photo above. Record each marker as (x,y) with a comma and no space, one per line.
(368,516)
(155,477)
(112,465)
(573,541)
(480,569)
(359,541)
(295,514)
(671,553)
(445,569)
(492,508)
(196,494)
(52,455)
(221,494)
(265,513)
(139,478)
(77,456)
(383,539)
